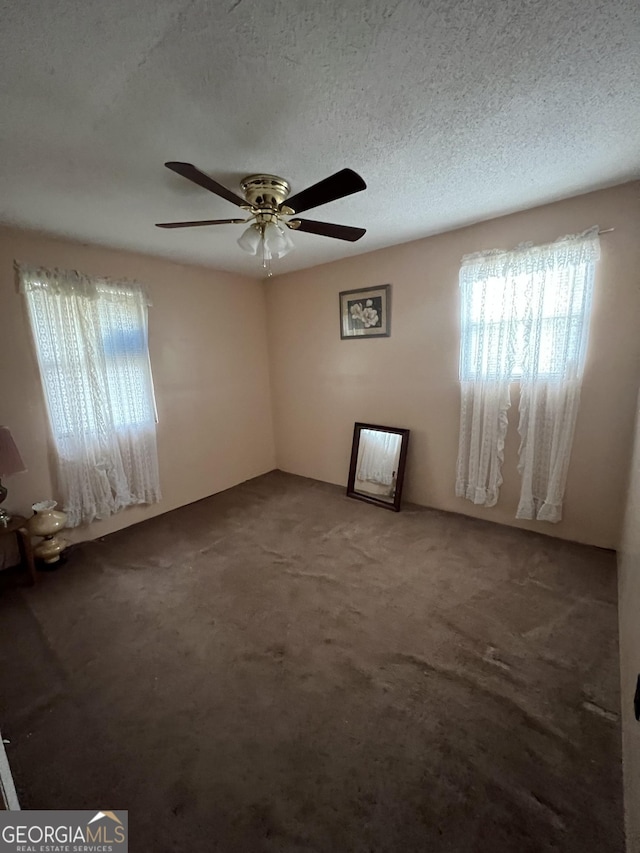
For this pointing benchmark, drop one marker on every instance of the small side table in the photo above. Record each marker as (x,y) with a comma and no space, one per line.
(18,525)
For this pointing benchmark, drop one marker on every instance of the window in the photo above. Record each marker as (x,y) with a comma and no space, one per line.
(91,343)
(501,313)
(524,317)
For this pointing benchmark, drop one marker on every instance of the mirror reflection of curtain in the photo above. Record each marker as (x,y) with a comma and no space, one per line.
(378,457)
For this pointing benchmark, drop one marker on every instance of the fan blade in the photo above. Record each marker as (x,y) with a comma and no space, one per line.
(192,174)
(332,188)
(200,222)
(328,229)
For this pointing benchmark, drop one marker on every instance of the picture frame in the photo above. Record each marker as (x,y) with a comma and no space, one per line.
(365,312)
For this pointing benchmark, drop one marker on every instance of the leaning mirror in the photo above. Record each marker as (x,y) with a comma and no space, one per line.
(378,459)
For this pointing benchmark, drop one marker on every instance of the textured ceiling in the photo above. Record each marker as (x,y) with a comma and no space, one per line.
(451,111)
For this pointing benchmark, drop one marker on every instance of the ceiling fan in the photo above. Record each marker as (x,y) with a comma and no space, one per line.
(272,211)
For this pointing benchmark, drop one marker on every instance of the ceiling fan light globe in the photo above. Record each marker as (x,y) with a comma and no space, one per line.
(277,242)
(249,240)
(287,239)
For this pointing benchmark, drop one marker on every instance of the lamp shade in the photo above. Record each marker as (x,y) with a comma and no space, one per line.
(10,459)
(270,238)
(250,240)
(277,242)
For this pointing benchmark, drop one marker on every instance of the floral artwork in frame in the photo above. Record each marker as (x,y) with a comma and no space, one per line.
(366,312)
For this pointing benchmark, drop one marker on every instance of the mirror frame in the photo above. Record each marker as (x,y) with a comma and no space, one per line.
(402,461)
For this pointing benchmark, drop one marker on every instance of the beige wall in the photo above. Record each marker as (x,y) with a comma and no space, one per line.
(208,347)
(321,385)
(208,342)
(629,615)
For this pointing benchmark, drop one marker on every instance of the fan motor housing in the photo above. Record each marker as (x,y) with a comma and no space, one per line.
(265,191)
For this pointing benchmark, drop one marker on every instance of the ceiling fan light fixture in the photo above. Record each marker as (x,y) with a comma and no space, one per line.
(269,240)
(250,240)
(277,242)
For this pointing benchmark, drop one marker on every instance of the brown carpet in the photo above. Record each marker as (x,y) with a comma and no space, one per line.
(281,668)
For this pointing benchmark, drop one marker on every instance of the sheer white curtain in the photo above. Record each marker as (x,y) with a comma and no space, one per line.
(91,342)
(487,356)
(558,283)
(525,317)
(378,457)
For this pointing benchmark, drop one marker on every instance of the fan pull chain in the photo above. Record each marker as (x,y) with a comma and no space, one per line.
(266,257)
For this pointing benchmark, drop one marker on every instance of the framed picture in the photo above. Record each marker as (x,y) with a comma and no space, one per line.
(366,312)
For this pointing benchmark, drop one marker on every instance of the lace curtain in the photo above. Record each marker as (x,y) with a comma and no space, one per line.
(379,455)
(524,317)
(91,343)
(558,284)
(487,358)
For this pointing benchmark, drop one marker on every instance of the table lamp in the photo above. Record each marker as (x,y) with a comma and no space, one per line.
(10,463)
